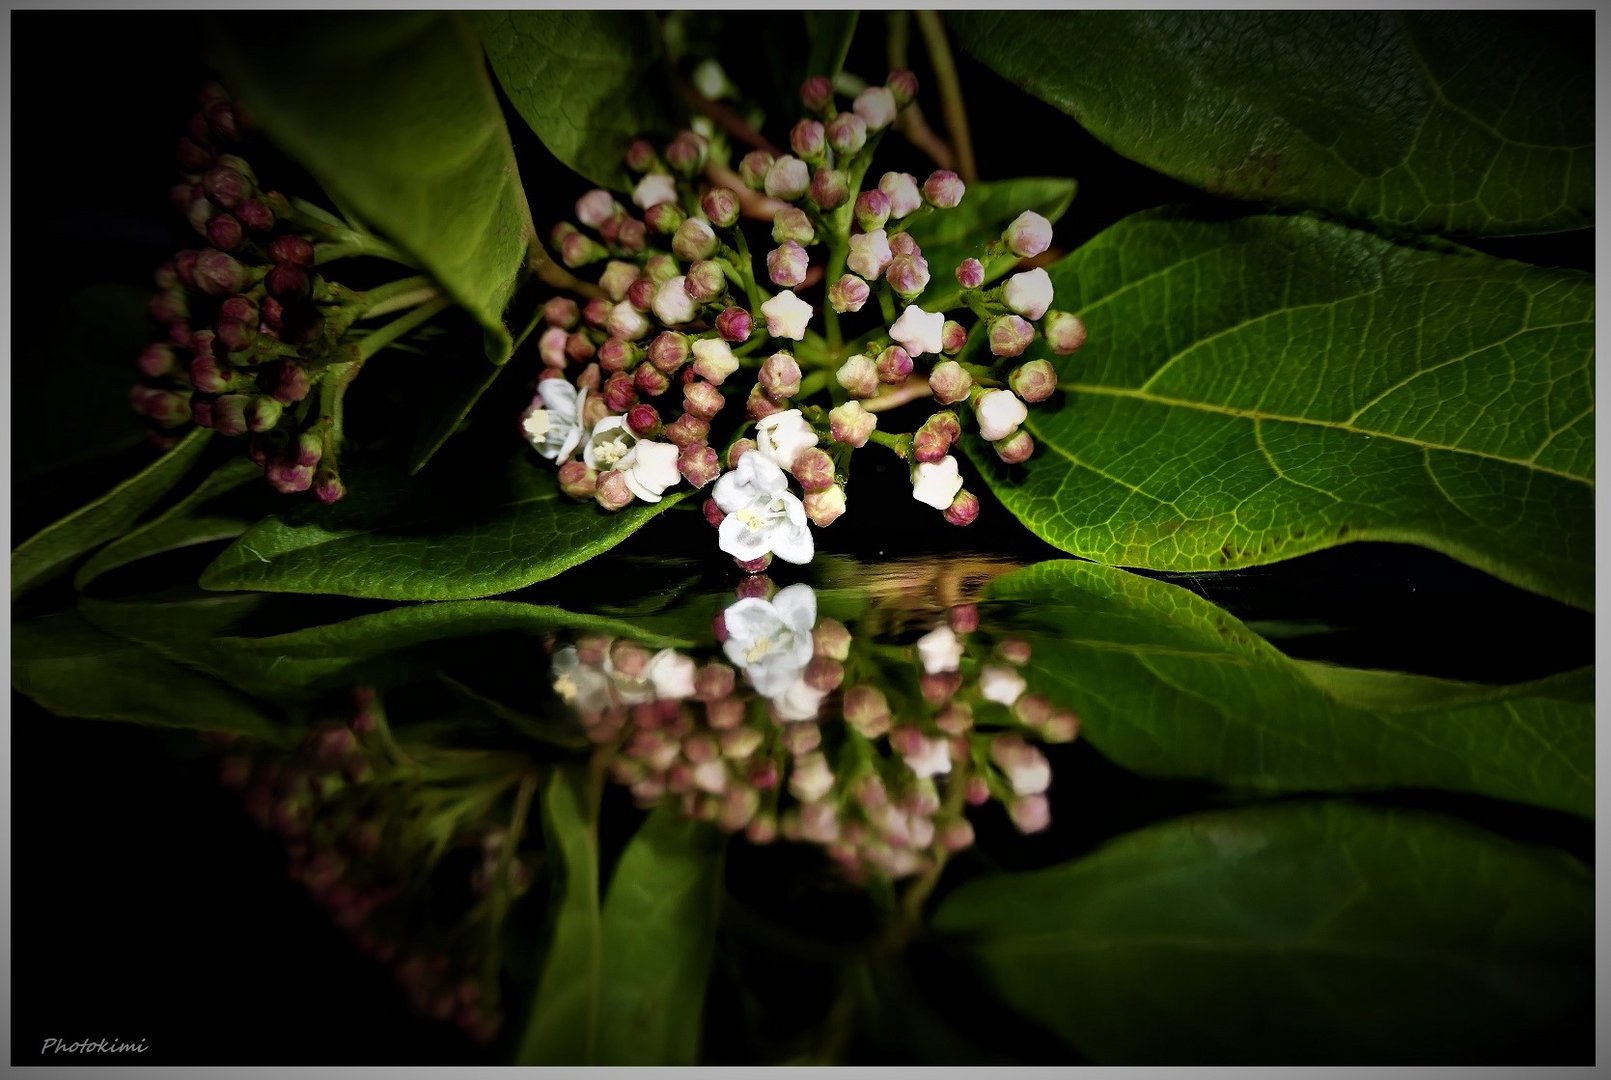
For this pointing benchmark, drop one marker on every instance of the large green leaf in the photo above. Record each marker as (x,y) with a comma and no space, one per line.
(107,518)
(1455,122)
(394,114)
(829,34)
(428,538)
(1300,933)
(1165,683)
(1260,388)
(564,1024)
(989,206)
(72,668)
(586,81)
(659,935)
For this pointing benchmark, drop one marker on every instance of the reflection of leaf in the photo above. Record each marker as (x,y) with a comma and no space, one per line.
(107,518)
(989,206)
(1296,933)
(394,114)
(1167,684)
(659,934)
(428,538)
(584,81)
(1458,122)
(72,668)
(1257,389)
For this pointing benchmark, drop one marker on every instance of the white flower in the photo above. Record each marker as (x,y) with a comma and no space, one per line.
(1028,771)
(595,208)
(1001,684)
(672,675)
(869,254)
(626,322)
(919,331)
(672,304)
(783,437)
(654,189)
(999,413)
(770,640)
(578,684)
(786,316)
(555,428)
(650,468)
(762,514)
(811,778)
(714,359)
(929,757)
(801,701)
(1029,293)
(608,442)
(876,106)
(902,189)
(940,651)
(936,483)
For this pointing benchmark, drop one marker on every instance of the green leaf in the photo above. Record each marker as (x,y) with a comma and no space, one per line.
(1299,933)
(989,206)
(1256,389)
(564,1024)
(393,113)
(830,34)
(1167,684)
(108,517)
(429,538)
(1452,122)
(178,527)
(659,936)
(588,82)
(72,668)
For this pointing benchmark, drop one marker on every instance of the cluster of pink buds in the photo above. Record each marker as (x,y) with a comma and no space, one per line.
(362,838)
(781,735)
(252,326)
(636,376)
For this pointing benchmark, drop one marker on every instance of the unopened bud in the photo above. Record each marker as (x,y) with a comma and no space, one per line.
(702,399)
(686,430)
(792,224)
(617,355)
(829,188)
(705,281)
(643,421)
(255,215)
(848,294)
(753,168)
(650,380)
(617,278)
(814,469)
(721,206)
(904,196)
(698,464)
(693,241)
(847,134)
(1010,335)
(1030,813)
(1028,235)
(876,105)
(164,408)
(561,311)
(217,274)
(786,265)
(632,236)
(579,250)
(964,509)
(943,189)
(894,365)
(904,243)
(739,448)
(933,441)
(157,360)
(825,507)
(287,381)
(867,710)
(908,275)
(780,376)
(759,405)
(1065,333)
(620,394)
(192,155)
(209,376)
(579,347)
(1015,448)
(1034,381)
(809,141)
(226,186)
(872,210)
(816,93)
(611,490)
(663,219)
(734,325)
(859,376)
(596,312)
(788,178)
(669,351)
(327,485)
(169,305)
(851,424)
(687,152)
(640,156)
(224,232)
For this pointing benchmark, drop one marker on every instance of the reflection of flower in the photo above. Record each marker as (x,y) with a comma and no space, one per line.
(939,650)
(672,675)
(578,684)
(763,516)
(770,640)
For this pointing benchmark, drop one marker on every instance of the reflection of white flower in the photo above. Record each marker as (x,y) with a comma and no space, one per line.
(786,316)
(936,483)
(1000,684)
(762,514)
(650,468)
(1029,293)
(939,650)
(629,689)
(607,443)
(770,640)
(783,437)
(578,684)
(801,701)
(811,778)
(654,189)
(672,675)
(929,756)
(555,427)
(919,331)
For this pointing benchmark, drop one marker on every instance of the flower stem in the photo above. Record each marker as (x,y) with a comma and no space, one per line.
(395,329)
(945,72)
(399,295)
(900,445)
(746,268)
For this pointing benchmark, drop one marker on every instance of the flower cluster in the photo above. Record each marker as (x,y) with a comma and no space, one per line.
(788,735)
(637,375)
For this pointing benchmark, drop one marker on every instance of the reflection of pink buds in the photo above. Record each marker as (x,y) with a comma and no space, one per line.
(964,618)
(713,682)
(956,835)
(955,719)
(830,639)
(941,686)
(867,710)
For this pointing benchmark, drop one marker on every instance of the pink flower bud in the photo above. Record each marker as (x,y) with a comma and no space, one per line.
(902,86)
(786,265)
(1015,448)
(791,223)
(904,243)
(872,210)
(669,351)
(579,347)
(963,618)
(738,450)
(758,406)
(1010,335)
(876,105)
(701,399)
(578,250)
(617,355)
(753,168)
(953,337)
(225,232)
(950,382)
(713,682)
(829,188)
(809,141)
(698,464)
(620,394)
(894,365)
(1061,727)
(1028,235)
(714,514)
(596,207)
(610,489)
(908,275)
(577,480)
(847,134)
(830,638)
(693,241)
(596,408)
(255,216)
(721,206)
(632,235)
(964,509)
(940,687)
(644,421)
(788,178)
(218,274)
(780,376)
(851,424)
(1065,333)
(859,376)
(640,294)
(596,313)
(933,441)
(848,294)
(825,507)
(943,189)
(686,430)
(640,156)
(561,311)
(970,274)
(1030,813)
(705,281)
(650,380)
(1034,381)
(734,325)
(824,674)
(687,152)
(867,710)
(664,218)
(816,93)
(814,469)
(903,193)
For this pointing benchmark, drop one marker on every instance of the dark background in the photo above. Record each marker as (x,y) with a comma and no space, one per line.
(147,907)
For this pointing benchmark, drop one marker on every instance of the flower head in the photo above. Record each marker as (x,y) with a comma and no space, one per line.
(1029,293)
(936,483)
(770,640)
(608,442)
(555,428)
(783,437)
(999,413)
(786,316)
(919,331)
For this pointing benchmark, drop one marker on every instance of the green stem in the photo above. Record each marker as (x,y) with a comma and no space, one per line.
(899,445)
(746,268)
(398,295)
(395,329)
(945,74)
